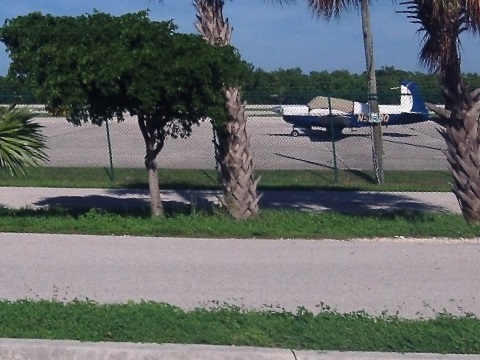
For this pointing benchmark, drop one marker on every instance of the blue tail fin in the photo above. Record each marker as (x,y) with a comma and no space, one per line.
(413,97)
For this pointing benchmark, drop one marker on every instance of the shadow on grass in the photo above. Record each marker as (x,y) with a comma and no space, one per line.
(362,175)
(327,178)
(305,161)
(172,210)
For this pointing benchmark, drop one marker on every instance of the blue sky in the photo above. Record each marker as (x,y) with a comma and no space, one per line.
(273,37)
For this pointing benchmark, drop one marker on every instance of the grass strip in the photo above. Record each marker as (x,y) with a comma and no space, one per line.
(132,178)
(150,322)
(270,224)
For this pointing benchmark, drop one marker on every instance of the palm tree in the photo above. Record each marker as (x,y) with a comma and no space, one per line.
(232,143)
(332,8)
(21,142)
(233,154)
(442,22)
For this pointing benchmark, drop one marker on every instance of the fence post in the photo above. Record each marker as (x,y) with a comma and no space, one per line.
(112,172)
(334,148)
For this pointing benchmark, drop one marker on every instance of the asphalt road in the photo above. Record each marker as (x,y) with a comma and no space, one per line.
(410,147)
(411,278)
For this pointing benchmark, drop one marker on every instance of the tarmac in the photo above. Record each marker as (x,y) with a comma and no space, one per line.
(350,202)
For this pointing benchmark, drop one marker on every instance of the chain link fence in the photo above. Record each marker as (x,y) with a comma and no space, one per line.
(338,136)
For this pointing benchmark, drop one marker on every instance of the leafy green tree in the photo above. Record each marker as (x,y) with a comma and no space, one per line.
(21,141)
(99,67)
(442,22)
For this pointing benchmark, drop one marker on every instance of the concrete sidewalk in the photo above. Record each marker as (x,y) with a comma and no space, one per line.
(65,350)
(342,201)
(349,202)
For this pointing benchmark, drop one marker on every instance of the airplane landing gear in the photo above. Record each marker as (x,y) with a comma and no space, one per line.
(294,133)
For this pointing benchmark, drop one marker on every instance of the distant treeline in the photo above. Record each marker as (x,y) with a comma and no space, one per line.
(292,86)
(11,93)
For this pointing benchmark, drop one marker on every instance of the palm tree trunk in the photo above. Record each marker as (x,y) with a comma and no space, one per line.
(443,22)
(462,136)
(233,154)
(372,92)
(235,160)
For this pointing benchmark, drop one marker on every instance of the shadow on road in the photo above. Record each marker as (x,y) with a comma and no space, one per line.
(348,202)
(324,136)
(396,135)
(414,145)
(320,135)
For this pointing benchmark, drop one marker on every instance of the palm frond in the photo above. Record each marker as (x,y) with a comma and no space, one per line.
(21,141)
(472,15)
(282,2)
(441,23)
(332,8)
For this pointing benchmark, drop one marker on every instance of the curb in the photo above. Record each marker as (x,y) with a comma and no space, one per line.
(66,349)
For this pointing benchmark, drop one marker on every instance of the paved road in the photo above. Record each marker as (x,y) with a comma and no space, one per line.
(412,147)
(409,277)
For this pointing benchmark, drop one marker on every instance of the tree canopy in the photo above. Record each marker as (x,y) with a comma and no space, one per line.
(97,67)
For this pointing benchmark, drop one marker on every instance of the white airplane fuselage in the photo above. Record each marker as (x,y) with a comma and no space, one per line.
(339,113)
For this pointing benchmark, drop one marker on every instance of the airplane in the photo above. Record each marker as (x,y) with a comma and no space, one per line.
(335,114)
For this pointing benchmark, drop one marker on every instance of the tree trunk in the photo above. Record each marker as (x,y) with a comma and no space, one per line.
(236,161)
(462,135)
(372,92)
(152,148)
(156,207)
(233,154)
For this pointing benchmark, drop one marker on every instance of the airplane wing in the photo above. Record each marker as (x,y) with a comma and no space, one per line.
(340,105)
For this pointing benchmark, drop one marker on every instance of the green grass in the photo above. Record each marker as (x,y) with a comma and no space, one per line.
(161,323)
(150,322)
(270,224)
(207,179)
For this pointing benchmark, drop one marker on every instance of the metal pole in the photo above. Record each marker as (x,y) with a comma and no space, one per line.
(112,172)
(334,148)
